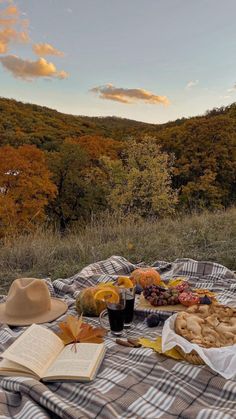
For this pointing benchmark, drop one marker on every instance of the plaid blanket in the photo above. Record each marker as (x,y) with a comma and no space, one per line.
(132,382)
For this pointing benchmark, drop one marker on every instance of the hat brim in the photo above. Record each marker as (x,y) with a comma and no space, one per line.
(58,308)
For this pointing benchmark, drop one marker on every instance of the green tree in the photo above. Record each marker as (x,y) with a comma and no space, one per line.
(80,185)
(141,183)
(205,160)
(67,166)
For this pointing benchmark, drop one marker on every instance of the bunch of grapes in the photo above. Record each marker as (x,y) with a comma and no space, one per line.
(160,296)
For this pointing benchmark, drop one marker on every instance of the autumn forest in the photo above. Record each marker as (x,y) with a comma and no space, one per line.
(64,169)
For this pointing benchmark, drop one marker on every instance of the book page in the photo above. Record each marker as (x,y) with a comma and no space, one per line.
(35,349)
(79,363)
(8,368)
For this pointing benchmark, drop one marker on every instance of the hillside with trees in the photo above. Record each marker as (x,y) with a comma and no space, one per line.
(93,164)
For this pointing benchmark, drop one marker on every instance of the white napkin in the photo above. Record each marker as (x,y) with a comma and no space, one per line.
(221,360)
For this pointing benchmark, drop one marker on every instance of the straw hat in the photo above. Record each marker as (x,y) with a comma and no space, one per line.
(29,302)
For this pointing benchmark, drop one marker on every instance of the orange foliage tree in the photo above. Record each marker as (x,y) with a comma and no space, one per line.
(25,188)
(96,146)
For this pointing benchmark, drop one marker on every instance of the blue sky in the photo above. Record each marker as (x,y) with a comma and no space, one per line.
(149,60)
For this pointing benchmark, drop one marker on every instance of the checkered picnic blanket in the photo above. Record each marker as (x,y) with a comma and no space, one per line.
(132,382)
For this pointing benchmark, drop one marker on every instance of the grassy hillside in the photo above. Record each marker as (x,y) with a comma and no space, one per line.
(209,236)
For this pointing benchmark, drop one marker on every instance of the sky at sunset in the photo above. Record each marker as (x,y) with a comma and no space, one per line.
(149,60)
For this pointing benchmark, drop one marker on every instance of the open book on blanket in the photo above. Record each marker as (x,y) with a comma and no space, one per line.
(39,353)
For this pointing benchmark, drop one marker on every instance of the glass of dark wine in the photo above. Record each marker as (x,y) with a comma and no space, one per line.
(129,296)
(116,316)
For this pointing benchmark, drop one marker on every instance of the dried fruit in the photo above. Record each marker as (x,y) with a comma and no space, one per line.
(205,300)
(138,289)
(153,320)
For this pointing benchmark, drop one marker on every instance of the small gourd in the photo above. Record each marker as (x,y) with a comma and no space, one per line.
(87,305)
(145,277)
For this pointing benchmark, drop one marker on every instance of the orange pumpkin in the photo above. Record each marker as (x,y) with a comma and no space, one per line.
(145,277)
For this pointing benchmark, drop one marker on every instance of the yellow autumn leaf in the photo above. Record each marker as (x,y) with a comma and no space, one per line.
(73,330)
(157,347)
(74,325)
(105,284)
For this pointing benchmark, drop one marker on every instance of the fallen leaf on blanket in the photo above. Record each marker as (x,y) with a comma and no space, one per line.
(74,330)
(105,284)
(90,334)
(70,329)
(156,345)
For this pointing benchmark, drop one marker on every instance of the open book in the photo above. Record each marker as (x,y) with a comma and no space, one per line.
(39,353)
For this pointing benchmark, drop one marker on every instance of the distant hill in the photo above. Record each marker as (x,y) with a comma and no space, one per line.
(33,124)
(203,147)
(46,128)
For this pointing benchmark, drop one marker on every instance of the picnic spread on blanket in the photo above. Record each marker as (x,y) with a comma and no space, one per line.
(133,341)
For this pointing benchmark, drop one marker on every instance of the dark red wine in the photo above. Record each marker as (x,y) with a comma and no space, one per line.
(129,309)
(116,314)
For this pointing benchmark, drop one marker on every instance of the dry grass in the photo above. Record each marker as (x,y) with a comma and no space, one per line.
(208,236)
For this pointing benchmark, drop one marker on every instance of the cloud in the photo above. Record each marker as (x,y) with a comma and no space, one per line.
(29,70)
(8,35)
(128,96)
(12,28)
(191,84)
(232,89)
(9,16)
(11,10)
(46,49)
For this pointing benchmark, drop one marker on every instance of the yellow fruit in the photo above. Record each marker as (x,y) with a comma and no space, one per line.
(105,284)
(107,294)
(174,282)
(163,284)
(125,281)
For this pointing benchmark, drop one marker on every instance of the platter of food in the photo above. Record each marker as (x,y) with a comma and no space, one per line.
(143,304)
(173,295)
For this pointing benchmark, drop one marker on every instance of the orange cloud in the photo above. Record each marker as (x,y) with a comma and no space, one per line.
(13,29)
(29,70)
(9,28)
(46,49)
(11,10)
(8,35)
(127,96)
